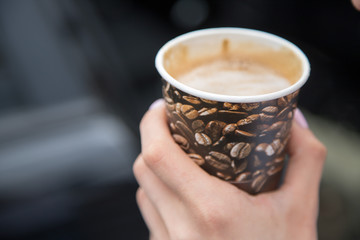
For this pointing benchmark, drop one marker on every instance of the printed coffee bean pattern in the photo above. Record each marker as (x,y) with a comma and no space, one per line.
(241,143)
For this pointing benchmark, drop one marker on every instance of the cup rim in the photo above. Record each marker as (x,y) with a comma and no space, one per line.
(231,98)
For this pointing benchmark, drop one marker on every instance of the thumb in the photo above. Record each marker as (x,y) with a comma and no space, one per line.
(307,157)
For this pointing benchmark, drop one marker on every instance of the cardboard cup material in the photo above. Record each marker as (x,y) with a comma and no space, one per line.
(240,139)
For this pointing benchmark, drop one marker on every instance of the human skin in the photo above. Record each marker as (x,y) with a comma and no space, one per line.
(356,4)
(179,200)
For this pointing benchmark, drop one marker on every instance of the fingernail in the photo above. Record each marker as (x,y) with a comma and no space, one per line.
(300,119)
(157,103)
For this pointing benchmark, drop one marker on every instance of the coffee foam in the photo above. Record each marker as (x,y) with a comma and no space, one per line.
(229,67)
(234,77)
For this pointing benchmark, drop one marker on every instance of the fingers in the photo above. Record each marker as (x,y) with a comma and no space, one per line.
(307,157)
(162,198)
(151,216)
(168,205)
(165,158)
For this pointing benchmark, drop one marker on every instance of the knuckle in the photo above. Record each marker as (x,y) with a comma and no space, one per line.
(140,196)
(138,167)
(319,150)
(153,153)
(322,150)
(212,217)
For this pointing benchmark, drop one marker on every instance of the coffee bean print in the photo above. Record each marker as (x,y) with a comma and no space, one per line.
(237,142)
(274,170)
(227,105)
(229,146)
(221,141)
(276,144)
(191,150)
(184,130)
(178,108)
(275,126)
(230,128)
(269,103)
(192,100)
(283,113)
(223,176)
(282,131)
(183,142)
(231,106)
(231,116)
(248,120)
(271,110)
(233,113)
(266,148)
(203,139)
(256,162)
(170,107)
(240,150)
(214,128)
(243,177)
(166,96)
(257,173)
(172,127)
(261,147)
(220,157)
(209,101)
(269,164)
(177,94)
(289,98)
(189,111)
(198,126)
(249,106)
(244,133)
(269,150)
(242,166)
(258,182)
(199,160)
(166,87)
(168,99)
(253,117)
(207,111)
(262,127)
(282,102)
(281,148)
(279,159)
(244,122)
(216,163)
(266,117)
(177,117)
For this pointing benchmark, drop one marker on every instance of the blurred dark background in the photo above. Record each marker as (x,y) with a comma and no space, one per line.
(77,75)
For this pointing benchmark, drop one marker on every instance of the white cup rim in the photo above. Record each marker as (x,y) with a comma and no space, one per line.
(229,98)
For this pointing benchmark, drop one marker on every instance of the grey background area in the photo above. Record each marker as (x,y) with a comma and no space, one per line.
(77,76)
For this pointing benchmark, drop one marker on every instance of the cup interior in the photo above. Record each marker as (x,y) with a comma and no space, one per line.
(195,48)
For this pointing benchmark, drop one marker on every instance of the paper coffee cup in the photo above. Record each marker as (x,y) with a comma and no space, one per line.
(238,138)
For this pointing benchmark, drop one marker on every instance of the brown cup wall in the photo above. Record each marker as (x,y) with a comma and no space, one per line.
(242,143)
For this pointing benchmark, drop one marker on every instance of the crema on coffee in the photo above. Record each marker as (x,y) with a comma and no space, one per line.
(237,69)
(234,77)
